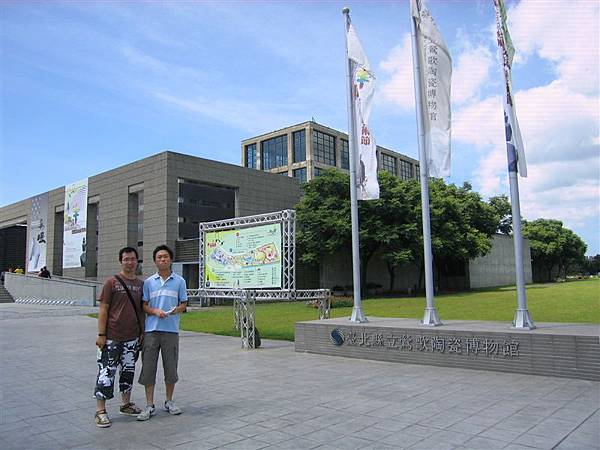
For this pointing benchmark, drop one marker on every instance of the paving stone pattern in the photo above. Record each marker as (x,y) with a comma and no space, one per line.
(276,398)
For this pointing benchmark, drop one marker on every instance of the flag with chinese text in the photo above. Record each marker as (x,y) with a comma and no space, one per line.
(363,89)
(514,142)
(435,76)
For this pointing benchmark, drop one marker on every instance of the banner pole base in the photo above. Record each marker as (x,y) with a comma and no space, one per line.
(431,318)
(358,315)
(523,320)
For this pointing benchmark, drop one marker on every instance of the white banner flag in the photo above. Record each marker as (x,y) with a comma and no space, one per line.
(37,229)
(514,141)
(436,73)
(363,88)
(75,222)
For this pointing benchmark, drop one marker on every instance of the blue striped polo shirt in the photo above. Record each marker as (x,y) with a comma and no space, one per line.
(164,295)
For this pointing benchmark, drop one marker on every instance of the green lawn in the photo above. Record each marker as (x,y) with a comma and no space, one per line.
(576,301)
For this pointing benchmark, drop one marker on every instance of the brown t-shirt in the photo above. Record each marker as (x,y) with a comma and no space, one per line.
(122,323)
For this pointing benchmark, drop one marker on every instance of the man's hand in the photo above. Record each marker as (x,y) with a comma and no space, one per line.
(160,313)
(101,341)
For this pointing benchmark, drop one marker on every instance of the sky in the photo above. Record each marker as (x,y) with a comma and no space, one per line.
(87,86)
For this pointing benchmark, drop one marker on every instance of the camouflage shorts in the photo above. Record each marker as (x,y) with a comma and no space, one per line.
(114,354)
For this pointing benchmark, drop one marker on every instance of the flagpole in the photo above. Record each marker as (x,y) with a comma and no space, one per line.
(516,163)
(430,318)
(357,312)
(522,319)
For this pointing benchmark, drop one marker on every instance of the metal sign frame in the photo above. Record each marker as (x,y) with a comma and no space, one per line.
(287,219)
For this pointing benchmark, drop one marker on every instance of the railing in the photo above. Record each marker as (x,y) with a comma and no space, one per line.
(244,305)
(25,288)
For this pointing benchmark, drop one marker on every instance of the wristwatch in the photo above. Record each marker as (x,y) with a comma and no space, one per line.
(101,334)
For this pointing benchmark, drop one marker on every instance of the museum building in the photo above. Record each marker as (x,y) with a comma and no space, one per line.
(162,199)
(156,200)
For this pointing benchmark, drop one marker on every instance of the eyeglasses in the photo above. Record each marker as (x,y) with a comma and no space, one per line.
(129,259)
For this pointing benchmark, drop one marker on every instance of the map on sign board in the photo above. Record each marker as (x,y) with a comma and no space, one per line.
(244,258)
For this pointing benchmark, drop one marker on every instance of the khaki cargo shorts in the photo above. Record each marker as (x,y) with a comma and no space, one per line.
(168,346)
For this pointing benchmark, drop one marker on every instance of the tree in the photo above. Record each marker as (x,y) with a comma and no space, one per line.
(461,222)
(324,217)
(399,234)
(502,207)
(325,227)
(553,247)
(591,265)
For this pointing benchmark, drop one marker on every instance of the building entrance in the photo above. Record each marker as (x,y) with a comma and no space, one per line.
(13,246)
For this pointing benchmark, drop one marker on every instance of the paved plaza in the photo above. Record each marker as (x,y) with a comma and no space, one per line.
(275,398)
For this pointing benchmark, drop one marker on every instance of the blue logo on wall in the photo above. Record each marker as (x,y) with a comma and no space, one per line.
(336,337)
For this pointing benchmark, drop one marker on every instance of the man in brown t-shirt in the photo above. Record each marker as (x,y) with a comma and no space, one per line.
(120,331)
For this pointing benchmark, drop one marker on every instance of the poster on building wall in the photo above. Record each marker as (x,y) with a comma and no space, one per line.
(37,233)
(75,221)
(244,258)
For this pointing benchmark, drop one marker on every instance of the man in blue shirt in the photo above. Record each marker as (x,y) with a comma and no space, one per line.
(164,298)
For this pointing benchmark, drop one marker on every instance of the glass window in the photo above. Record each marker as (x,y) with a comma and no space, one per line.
(202,203)
(345,153)
(323,148)
(406,170)
(388,163)
(274,152)
(300,174)
(317,171)
(299,138)
(251,156)
(417,172)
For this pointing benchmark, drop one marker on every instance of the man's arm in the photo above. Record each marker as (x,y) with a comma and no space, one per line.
(154,311)
(182,294)
(102,320)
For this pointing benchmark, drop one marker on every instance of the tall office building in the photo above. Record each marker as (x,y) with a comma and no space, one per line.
(302,151)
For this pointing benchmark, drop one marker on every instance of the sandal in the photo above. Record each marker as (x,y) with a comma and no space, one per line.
(129,409)
(102,420)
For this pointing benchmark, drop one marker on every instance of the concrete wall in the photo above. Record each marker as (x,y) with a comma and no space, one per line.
(337,271)
(497,268)
(157,177)
(33,287)
(113,187)
(553,349)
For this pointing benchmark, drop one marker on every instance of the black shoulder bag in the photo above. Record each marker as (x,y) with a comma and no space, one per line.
(132,302)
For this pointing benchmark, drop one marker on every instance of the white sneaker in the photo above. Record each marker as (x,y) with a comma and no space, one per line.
(146,413)
(172,407)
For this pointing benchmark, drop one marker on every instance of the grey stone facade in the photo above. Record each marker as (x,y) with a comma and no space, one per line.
(110,207)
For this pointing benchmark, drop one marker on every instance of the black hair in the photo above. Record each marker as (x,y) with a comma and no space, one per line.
(127,250)
(162,247)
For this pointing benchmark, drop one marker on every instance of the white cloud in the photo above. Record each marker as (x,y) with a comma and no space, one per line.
(559,120)
(563,32)
(400,88)
(560,130)
(576,205)
(558,124)
(471,71)
(479,123)
(248,116)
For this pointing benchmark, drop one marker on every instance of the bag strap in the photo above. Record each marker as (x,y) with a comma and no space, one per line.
(131,300)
